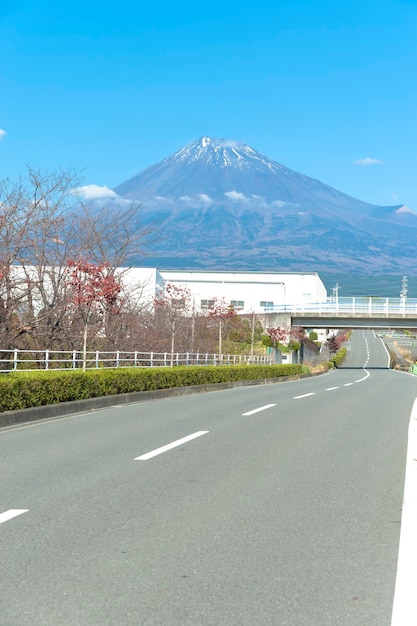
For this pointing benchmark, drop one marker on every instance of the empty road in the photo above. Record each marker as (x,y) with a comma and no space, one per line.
(274,505)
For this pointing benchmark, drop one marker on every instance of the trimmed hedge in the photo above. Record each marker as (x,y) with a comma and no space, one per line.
(22,390)
(338,358)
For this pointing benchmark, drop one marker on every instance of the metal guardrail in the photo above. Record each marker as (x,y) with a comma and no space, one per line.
(29,360)
(354,305)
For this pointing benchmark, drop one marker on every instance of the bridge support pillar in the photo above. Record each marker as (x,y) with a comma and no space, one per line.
(279,320)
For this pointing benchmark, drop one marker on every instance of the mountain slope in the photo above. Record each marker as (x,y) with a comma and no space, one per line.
(219,204)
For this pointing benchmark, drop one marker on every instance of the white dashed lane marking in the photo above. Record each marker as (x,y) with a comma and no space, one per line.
(169,446)
(10,514)
(261,408)
(305,395)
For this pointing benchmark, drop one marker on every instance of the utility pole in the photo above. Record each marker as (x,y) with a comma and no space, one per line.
(403,293)
(404,288)
(335,290)
(252,336)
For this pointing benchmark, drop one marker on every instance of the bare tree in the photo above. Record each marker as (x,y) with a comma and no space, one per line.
(52,240)
(43,224)
(112,233)
(221,311)
(174,311)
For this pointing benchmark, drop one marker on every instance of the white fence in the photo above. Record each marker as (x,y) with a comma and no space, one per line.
(29,360)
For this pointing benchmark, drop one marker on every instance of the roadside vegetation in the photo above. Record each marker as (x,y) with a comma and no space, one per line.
(23,390)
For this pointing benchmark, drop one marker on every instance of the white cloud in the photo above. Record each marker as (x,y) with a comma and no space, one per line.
(200,201)
(368,161)
(205,199)
(2,134)
(281,203)
(235,195)
(95,192)
(405,209)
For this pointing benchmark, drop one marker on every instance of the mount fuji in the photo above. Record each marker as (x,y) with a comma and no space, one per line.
(219,204)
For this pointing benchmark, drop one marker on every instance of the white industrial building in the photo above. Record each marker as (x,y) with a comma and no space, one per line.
(248,292)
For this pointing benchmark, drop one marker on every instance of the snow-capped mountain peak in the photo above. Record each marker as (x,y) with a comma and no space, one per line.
(222,152)
(220,203)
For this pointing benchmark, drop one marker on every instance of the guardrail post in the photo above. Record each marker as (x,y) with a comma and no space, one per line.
(118,359)
(46,359)
(97,359)
(74,359)
(15,359)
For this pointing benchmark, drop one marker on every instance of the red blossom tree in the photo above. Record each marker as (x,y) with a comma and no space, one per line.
(91,289)
(289,337)
(277,335)
(335,342)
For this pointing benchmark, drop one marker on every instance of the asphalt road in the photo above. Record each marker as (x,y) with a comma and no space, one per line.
(283,508)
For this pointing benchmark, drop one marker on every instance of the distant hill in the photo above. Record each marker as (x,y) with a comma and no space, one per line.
(220,204)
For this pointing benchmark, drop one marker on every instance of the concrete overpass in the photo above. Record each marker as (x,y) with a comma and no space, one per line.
(354,312)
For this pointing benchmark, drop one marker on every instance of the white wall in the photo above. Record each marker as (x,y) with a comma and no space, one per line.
(250,288)
(143,283)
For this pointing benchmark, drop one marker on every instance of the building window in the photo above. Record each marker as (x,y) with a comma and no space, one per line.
(237,304)
(266,303)
(207,304)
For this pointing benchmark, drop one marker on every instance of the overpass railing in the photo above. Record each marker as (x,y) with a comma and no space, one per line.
(354,305)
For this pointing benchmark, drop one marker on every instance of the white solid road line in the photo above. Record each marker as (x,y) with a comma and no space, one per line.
(404,612)
(364,378)
(261,408)
(169,446)
(10,514)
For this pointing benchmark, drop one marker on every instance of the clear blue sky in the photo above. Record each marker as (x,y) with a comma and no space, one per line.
(326,88)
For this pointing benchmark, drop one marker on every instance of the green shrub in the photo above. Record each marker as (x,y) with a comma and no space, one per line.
(20,390)
(338,358)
